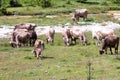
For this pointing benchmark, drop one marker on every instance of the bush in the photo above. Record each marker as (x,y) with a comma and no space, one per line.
(3,11)
(68,2)
(14,3)
(82,1)
(115,1)
(46,3)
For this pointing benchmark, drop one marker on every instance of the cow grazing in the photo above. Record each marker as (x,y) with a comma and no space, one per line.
(110,41)
(33,37)
(79,13)
(18,37)
(78,34)
(28,26)
(38,48)
(50,35)
(101,34)
(66,36)
(39,44)
(38,53)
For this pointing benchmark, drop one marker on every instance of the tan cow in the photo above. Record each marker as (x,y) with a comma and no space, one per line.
(19,37)
(66,36)
(79,13)
(28,26)
(101,34)
(38,53)
(39,44)
(50,35)
(78,34)
(38,48)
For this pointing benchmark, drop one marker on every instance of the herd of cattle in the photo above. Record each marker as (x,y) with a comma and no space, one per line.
(24,34)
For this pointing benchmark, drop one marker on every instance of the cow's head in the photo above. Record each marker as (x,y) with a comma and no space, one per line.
(101,51)
(67,42)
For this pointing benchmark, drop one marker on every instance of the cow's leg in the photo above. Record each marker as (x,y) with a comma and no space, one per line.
(34,53)
(37,55)
(111,50)
(116,50)
(105,50)
(77,18)
(47,40)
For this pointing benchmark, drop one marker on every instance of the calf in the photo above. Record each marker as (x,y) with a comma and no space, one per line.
(111,41)
(38,52)
(38,48)
(39,44)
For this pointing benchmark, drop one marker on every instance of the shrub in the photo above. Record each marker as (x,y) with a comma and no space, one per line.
(68,2)
(14,3)
(46,3)
(82,1)
(3,11)
(115,1)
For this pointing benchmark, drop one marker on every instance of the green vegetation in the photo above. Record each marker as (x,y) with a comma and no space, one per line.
(30,7)
(59,62)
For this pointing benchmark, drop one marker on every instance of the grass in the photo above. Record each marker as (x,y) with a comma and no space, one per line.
(59,62)
(59,19)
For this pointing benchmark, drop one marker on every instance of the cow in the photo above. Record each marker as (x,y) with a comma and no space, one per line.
(33,37)
(79,13)
(39,44)
(66,36)
(28,26)
(18,37)
(38,48)
(78,34)
(101,34)
(38,53)
(110,41)
(50,35)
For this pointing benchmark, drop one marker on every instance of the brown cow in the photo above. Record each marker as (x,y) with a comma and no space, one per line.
(79,13)
(33,37)
(66,36)
(22,38)
(99,35)
(38,48)
(50,35)
(78,34)
(28,26)
(19,36)
(111,41)
(38,53)
(39,44)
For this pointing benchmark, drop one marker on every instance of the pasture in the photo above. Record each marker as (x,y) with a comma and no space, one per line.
(76,62)
(58,63)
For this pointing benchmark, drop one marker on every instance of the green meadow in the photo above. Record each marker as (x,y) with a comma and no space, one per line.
(59,62)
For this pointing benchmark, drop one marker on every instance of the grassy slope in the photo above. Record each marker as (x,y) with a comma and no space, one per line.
(59,62)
